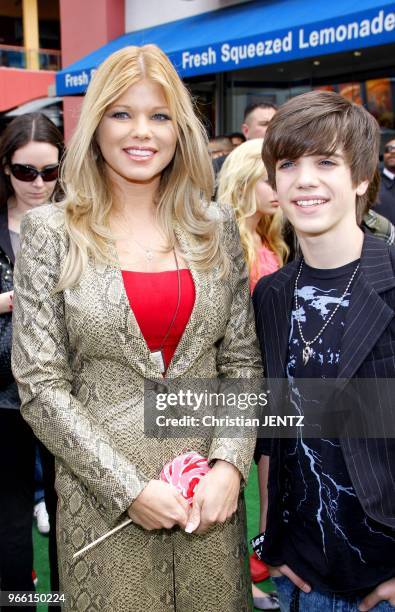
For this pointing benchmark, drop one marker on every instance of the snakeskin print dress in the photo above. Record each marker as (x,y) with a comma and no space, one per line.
(80,361)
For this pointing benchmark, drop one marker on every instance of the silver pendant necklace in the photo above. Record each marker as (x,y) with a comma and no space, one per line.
(307,350)
(148,253)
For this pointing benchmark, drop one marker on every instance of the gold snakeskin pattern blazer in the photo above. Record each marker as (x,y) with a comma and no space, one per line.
(80,362)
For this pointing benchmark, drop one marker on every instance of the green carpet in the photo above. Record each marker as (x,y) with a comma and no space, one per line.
(41,542)
(252,503)
(41,564)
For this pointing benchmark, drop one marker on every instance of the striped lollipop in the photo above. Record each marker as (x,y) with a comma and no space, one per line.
(184,472)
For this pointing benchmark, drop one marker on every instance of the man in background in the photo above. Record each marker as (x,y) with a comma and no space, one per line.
(255,122)
(220,146)
(386,199)
(256,119)
(237,139)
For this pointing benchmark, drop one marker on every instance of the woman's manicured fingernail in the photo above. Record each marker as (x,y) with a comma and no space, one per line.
(188,528)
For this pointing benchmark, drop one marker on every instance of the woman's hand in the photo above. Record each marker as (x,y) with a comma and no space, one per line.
(159,506)
(6,301)
(215,497)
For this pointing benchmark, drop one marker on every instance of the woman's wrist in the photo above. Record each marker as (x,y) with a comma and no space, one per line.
(226,467)
(6,301)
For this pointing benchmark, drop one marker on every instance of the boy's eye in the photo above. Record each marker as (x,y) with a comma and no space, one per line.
(287,163)
(161,117)
(327,162)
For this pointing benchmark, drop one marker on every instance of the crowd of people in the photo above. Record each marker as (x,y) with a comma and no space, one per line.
(118,270)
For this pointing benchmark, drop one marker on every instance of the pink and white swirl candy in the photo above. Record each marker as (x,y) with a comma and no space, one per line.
(185,472)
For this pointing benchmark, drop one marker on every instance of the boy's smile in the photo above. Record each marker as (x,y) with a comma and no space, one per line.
(316,193)
(310,201)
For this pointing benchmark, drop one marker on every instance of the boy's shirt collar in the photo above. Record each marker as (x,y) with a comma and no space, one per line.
(375,256)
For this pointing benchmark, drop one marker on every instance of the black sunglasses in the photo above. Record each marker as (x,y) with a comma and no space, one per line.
(26,173)
(389,148)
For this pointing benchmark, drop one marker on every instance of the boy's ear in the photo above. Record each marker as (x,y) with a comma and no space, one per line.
(362,188)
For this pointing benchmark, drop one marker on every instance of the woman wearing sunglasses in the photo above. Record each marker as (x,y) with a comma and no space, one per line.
(30,150)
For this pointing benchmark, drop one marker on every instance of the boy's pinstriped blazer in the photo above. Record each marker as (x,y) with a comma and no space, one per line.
(367,351)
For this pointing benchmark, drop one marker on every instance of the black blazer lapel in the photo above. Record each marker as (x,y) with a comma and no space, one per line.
(273,302)
(368,314)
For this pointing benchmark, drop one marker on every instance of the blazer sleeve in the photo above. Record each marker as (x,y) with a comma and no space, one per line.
(41,367)
(238,354)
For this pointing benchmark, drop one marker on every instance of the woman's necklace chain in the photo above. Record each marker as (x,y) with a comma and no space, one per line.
(307,350)
(149,253)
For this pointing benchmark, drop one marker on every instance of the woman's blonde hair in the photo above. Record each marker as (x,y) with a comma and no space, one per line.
(236,186)
(186,185)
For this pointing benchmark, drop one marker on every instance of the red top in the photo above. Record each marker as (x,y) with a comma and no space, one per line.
(153,298)
(266,264)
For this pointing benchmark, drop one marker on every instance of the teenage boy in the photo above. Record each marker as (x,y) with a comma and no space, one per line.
(330,536)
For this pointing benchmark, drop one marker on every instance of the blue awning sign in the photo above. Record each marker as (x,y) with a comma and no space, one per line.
(80,79)
(226,49)
(317,39)
(234,53)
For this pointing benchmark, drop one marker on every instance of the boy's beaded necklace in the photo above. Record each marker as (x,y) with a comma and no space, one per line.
(307,350)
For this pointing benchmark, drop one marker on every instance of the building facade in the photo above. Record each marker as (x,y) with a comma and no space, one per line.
(231,54)
(29,50)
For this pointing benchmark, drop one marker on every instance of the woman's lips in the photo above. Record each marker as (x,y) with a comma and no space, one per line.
(140,154)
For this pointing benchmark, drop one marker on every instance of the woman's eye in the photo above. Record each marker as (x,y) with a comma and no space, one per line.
(161,117)
(120,115)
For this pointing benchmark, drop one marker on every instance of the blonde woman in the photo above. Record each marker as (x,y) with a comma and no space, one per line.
(243,184)
(134,277)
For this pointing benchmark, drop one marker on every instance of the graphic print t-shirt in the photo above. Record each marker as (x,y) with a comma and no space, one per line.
(328,539)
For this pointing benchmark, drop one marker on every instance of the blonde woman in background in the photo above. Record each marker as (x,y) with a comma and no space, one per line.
(135,278)
(243,183)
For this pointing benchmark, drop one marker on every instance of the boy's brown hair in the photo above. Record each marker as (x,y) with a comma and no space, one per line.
(318,123)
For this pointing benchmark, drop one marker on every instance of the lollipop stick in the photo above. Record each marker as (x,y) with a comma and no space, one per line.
(103,537)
